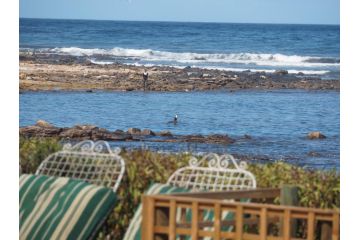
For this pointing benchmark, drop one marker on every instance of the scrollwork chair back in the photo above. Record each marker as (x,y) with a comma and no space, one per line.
(93,162)
(214,173)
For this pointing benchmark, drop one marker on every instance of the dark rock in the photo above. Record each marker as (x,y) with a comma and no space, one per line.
(147,132)
(281,72)
(119,131)
(134,131)
(37,131)
(315,135)
(89,91)
(313,154)
(246,136)
(76,133)
(215,139)
(164,133)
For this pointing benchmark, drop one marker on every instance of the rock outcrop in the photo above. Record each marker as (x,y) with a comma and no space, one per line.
(315,135)
(91,132)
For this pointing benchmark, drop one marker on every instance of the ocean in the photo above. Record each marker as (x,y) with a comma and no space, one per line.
(277,121)
(309,49)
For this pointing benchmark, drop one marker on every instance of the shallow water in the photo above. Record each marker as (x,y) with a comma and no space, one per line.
(277,121)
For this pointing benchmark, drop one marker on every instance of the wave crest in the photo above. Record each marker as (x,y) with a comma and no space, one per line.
(189,57)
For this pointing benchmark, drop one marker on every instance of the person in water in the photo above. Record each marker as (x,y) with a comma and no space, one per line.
(175,119)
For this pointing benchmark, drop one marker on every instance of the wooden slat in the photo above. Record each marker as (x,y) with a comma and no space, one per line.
(263,224)
(286,225)
(250,236)
(172,223)
(217,221)
(148,215)
(255,206)
(311,225)
(203,233)
(239,222)
(195,220)
(335,234)
(236,195)
(160,229)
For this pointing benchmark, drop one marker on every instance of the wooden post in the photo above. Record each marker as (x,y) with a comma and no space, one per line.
(311,225)
(335,233)
(147,218)
(263,224)
(172,222)
(217,221)
(239,222)
(289,197)
(194,230)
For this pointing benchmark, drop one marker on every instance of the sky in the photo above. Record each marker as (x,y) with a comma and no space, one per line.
(238,11)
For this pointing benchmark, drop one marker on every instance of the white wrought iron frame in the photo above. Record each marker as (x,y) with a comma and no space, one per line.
(93,162)
(214,173)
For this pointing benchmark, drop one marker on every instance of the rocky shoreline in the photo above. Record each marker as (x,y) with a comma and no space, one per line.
(91,132)
(46,72)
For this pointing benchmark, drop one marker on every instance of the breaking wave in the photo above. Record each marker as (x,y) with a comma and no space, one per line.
(193,58)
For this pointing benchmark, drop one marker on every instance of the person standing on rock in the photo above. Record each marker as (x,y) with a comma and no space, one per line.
(145,78)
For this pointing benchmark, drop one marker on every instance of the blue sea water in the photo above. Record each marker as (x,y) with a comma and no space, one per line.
(277,121)
(311,49)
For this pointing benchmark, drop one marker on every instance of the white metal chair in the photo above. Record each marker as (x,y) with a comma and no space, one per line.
(93,162)
(214,173)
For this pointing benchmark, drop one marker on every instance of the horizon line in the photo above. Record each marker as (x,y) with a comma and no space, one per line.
(172,21)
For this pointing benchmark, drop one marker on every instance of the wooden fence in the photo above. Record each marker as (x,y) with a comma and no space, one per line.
(185,216)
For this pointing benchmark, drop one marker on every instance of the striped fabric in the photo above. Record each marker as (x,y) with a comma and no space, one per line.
(134,230)
(61,208)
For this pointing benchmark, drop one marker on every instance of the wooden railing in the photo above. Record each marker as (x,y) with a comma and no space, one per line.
(182,216)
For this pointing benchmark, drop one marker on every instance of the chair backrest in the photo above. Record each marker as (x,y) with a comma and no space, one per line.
(214,173)
(93,162)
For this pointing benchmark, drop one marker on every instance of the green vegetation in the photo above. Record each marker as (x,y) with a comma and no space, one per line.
(317,188)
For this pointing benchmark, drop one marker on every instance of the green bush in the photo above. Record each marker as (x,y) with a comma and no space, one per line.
(316,188)
(34,150)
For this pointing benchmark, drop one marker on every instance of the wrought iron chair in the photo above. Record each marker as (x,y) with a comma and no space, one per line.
(214,173)
(93,162)
(57,197)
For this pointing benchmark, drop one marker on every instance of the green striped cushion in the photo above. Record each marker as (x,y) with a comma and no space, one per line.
(134,230)
(61,208)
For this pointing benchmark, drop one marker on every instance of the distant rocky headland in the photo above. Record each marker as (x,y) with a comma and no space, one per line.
(46,72)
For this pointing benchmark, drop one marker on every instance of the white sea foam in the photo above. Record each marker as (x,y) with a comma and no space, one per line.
(101,62)
(291,71)
(193,58)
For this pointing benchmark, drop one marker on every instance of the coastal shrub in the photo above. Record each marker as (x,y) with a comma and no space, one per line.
(33,151)
(316,188)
